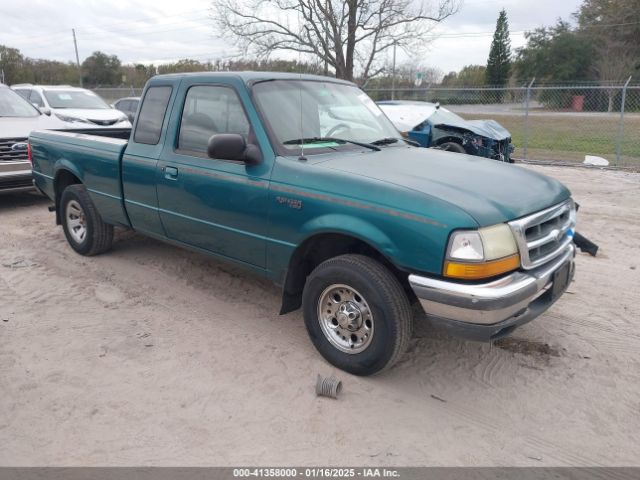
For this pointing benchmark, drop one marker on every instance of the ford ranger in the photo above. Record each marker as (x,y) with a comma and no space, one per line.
(304,180)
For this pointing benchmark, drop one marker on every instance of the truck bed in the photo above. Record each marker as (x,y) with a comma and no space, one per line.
(93,155)
(121,133)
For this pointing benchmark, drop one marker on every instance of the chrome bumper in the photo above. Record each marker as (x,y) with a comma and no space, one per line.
(493,309)
(15,179)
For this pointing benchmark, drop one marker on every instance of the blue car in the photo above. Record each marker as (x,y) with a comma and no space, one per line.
(433,126)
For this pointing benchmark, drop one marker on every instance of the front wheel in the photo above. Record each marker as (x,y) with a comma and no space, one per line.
(83,226)
(357,314)
(452,147)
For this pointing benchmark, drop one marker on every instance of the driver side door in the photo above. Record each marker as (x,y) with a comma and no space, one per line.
(213,204)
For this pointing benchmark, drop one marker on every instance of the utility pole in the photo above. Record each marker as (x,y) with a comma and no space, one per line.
(393,74)
(326,39)
(75,44)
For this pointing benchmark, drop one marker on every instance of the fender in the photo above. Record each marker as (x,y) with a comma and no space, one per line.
(64,164)
(350,226)
(325,237)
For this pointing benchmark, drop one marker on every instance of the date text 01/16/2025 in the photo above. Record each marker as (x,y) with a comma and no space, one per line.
(316,472)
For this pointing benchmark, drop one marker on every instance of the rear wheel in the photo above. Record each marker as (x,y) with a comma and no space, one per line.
(83,226)
(452,147)
(357,314)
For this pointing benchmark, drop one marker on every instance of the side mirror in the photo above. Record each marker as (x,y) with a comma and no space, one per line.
(46,111)
(232,146)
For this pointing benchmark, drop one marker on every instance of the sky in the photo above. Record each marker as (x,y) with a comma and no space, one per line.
(160,31)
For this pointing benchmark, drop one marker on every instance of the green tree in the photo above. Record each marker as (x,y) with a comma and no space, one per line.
(137,75)
(469,76)
(50,72)
(184,65)
(613,28)
(499,62)
(555,54)
(12,65)
(101,69)
(615,23)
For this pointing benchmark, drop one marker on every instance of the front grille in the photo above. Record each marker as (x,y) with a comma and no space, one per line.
(9,152)
(104,123)
(544,235)
(500,150)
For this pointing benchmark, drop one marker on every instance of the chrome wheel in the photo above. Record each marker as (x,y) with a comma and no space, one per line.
(76,221)
(345,318)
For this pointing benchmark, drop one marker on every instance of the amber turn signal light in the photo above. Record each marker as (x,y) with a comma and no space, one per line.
(475,271)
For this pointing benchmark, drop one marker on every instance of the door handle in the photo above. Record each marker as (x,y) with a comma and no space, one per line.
(170,173)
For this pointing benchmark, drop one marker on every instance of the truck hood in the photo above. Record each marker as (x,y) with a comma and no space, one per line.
(485,128)
(489,191)
(21,127)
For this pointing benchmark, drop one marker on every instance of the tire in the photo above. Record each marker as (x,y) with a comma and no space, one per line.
(82,224)
(452,147)
(380,329)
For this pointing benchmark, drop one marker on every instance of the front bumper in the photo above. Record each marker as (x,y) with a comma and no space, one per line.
(15,179)
(494,309)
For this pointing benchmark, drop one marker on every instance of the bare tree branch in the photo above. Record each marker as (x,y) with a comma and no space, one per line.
(351,36)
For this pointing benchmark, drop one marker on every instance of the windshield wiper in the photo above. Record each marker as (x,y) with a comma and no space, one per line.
(390,140)
(297,141)
(385,141)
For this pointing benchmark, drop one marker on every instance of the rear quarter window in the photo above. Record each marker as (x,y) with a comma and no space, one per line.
(151,117)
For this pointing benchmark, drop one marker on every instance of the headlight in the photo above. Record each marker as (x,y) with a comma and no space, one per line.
(65,118)
(466,246)
(475,254)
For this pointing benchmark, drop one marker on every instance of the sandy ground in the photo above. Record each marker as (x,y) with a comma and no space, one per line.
(152,355)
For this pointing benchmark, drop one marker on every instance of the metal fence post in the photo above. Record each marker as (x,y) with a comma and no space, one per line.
(621,127)
(393,74)
(526,118)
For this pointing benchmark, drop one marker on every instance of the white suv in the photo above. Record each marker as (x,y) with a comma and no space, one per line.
(76,106)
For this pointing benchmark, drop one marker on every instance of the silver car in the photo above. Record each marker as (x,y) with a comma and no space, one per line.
(128,106)
(18,118)
(78,107)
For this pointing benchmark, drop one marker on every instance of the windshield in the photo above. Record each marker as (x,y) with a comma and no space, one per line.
(316,110)
(13,105)
(74,99)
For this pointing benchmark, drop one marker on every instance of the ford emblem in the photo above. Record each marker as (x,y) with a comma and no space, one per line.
(19,147)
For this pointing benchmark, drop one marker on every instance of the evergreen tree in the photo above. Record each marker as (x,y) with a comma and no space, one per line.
(499,63)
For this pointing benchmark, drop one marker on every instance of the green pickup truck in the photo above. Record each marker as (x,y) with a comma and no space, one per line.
(304,180)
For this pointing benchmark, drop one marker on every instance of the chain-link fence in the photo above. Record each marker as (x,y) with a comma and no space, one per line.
(550,123)
(113,94)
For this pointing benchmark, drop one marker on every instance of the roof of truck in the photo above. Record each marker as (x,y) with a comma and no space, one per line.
(250,77)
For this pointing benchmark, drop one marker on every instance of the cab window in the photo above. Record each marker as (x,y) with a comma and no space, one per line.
(154,107)
(209,110)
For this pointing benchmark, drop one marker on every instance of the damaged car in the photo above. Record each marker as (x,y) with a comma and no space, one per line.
(433,126)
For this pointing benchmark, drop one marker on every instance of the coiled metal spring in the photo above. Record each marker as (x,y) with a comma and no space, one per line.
(328,387)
